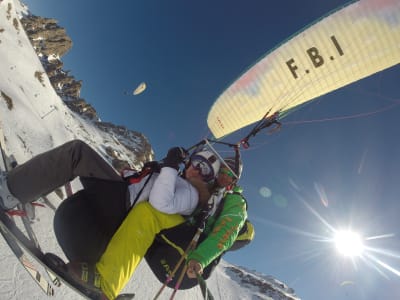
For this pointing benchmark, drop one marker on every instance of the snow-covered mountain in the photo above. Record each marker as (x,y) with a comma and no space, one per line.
(34,119)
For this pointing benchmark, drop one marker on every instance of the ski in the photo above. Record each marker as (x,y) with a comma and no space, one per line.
(40,280)
(15,236)
(17,240)
(24,246)
(28,214)
(20,244)
(33,238)
(25,262)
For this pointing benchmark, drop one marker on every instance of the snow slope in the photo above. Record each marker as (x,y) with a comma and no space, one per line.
(34,120)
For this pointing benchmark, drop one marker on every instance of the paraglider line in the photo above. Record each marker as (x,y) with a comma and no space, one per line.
(360,115)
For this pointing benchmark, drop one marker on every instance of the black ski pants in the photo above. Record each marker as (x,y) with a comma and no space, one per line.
(85,222)
(47,171)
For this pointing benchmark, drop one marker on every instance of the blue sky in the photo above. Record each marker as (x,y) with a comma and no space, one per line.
(343,172)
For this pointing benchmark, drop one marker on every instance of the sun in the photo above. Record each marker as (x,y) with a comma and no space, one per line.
(349,243)
(354,247)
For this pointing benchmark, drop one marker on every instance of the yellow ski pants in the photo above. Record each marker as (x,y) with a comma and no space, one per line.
(129,245)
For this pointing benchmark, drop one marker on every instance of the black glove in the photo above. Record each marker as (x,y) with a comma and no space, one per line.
(174,157)
(154,166)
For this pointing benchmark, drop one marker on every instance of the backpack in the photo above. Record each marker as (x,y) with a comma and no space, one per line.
(245,236)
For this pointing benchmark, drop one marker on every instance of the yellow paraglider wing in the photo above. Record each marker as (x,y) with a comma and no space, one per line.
(356,41)
(140,89)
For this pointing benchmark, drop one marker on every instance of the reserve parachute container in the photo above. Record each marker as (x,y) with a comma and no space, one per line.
(353,42)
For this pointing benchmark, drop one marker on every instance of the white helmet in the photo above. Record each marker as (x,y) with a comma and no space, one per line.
(207,163)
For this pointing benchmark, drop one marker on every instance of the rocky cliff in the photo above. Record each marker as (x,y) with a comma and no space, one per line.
(261,285)
(51,42)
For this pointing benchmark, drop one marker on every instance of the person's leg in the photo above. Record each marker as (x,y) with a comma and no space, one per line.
(45,172)
(129,245)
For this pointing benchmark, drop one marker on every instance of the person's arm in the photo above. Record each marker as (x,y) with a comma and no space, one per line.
(170,193)
(173,195)
(223,235)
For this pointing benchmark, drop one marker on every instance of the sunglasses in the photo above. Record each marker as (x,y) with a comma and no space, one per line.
(203,167)
(227,172)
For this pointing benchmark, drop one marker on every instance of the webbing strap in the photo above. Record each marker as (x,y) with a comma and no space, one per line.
(138,176)
(141,190)
(22,212)
(173,245)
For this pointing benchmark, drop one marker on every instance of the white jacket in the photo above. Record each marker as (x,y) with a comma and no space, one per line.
(167,192)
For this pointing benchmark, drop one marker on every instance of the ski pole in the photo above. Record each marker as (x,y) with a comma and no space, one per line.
(183,272)
(194,242)
(178,283)
(191,246)
(204,289)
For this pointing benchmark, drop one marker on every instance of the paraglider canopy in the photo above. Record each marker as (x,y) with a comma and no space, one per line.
(347,45)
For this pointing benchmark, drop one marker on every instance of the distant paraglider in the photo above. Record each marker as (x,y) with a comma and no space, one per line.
(139,89)
(347,282)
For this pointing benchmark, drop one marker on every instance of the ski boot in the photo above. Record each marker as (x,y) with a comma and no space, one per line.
(76,275)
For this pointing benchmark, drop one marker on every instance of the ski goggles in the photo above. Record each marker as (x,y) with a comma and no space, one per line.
(203,166)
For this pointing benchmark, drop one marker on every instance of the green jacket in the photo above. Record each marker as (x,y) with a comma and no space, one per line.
(221,231)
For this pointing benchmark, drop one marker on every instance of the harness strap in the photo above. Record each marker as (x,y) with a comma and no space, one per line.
(137,176)
(22,212)
(173,245)
(141,190)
